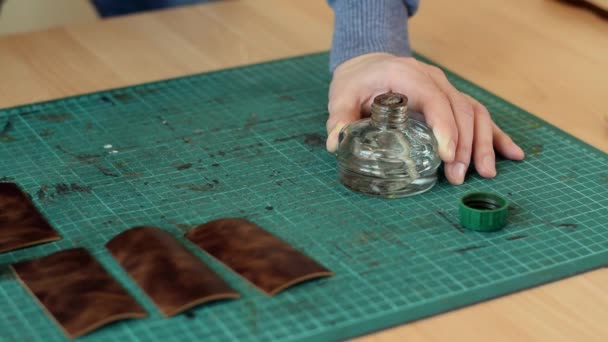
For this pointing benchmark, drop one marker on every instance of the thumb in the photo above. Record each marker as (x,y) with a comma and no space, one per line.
(341,113)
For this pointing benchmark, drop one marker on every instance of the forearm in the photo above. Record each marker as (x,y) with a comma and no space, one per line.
(365,26)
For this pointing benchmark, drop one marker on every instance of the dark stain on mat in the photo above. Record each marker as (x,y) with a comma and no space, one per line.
(252,121)
(90,159)
(560,225)
(63,188)
(467,249)
(220,100)
(46,132)
(290,180)
(52,191)
(311,139)
(83,157)
(54,117)
(198,187)
(87,157)
(516,237)
(41,193)
(190,314)
(6,179)
(536,149)
(107,100)
(533,125)
(28,112)
(370,237)
(269,208)
(513,209)
(453,224)
(314,139)
(123,97)
(373,263)
(242,148)
(291,137)
(181,167)
(5,137)
(286,98)
(146,91)
(364,238)
(246,147)
(123,166)
(105,171)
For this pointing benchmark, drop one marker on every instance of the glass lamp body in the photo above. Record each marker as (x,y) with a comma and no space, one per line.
(391,154)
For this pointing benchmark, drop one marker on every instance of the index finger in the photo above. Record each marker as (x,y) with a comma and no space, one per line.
(440,118)
(342,111)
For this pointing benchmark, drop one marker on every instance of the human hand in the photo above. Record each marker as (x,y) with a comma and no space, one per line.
(463,127)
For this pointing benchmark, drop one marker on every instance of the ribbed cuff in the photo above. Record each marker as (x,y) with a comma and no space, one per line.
(365,26)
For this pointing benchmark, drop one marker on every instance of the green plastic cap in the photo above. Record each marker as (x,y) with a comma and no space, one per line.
(483,211)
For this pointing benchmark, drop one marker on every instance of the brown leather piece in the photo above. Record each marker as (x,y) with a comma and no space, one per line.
(77,292)
(173,277)
(267,262)
(21,224)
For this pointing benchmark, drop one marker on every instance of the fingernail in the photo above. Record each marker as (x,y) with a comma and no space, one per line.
(459,171)
(488,164)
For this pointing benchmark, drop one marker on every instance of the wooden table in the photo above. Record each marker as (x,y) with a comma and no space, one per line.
(547,57)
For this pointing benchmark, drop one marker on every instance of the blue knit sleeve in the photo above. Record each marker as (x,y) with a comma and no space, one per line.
(412,5)
(364,26)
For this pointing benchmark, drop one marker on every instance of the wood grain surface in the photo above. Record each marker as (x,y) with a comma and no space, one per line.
(546,56)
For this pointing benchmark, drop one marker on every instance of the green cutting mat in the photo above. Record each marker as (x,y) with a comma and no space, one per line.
(249,142)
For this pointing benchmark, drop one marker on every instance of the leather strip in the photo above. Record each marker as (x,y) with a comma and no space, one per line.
(174,278)
(267,262)
(21,224)
(76,291)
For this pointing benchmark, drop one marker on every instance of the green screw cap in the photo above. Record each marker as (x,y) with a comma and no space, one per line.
(482,211)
